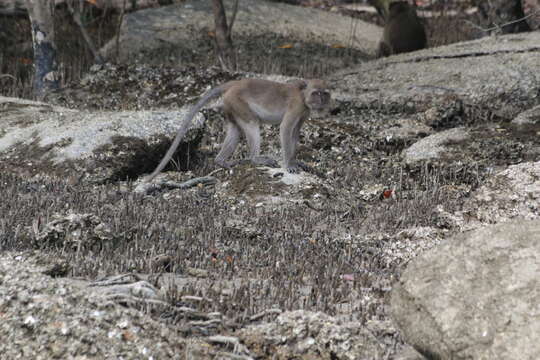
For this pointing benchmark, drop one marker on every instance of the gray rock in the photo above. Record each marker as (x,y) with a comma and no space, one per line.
(475,72)
(101,144)
(405,130)
(475,296)
(433,146)
(531,116)
(177,24)
(511,193)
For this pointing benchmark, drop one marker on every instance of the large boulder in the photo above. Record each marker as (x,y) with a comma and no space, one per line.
(491,78)
(179,24)
(39,138)
(528,117)
(475,296)
(431,147)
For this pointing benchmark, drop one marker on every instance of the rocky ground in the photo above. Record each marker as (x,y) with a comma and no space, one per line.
(255,262)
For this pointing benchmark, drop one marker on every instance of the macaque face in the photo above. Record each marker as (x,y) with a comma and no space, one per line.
(318,97)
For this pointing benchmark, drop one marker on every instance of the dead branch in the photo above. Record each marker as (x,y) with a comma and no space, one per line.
(147,188)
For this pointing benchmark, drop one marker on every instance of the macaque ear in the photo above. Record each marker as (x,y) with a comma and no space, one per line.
(300,84)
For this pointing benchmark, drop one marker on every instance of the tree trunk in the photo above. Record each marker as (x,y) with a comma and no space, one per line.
(45,65)
(224,44)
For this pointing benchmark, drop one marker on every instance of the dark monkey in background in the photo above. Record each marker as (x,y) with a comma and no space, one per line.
(403,31)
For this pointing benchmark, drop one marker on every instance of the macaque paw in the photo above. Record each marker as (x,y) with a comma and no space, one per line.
(293,168)
(296,167)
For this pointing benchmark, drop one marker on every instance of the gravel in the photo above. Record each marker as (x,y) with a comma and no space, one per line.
(47,318)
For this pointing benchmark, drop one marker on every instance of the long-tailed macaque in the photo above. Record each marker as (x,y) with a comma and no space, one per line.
(247,104)
(403,31)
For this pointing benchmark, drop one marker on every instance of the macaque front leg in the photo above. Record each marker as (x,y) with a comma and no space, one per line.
(289,136)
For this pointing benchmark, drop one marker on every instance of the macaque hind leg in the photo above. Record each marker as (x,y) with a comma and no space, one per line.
(232,138)
(253,136)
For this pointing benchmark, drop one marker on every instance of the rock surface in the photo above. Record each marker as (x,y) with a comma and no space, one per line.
(528,117)
(474,296)
(453,77)
(433,146)
(98,145)
(513,193)
(180,23)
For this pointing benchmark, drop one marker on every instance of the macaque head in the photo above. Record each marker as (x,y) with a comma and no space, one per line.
(398,7)
(316,94)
